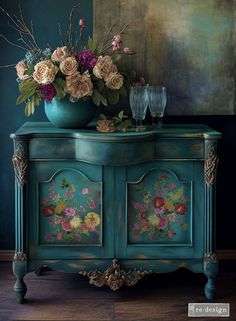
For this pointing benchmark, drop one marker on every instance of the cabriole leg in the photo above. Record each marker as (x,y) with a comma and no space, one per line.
(211,271)
(20,270)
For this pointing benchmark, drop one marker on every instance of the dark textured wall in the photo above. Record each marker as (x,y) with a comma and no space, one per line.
(46,14)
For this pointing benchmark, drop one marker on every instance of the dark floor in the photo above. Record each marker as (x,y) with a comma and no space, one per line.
(60,296)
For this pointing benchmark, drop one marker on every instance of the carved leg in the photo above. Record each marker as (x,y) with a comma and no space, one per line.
(20,289)
(20,270)
(211,271)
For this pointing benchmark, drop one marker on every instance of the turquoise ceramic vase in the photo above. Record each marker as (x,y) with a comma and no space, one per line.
(65,114)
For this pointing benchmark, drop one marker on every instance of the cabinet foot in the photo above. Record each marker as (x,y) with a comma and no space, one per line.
(20,289)
(20,269)
(211,271)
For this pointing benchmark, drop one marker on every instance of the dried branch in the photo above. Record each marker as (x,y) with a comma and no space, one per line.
(70,28)
(7,66)
(11,43)
(60,34)
(107,44)
(24,31)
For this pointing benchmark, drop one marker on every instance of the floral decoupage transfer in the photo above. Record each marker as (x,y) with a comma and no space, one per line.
(159,209)
(70,210)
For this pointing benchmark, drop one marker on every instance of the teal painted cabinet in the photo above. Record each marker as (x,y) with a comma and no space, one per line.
(115,207)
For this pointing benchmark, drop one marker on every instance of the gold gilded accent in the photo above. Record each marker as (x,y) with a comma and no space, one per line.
(211,164)
(196,147)
(20,164)
(210,257)
(114,276)
(20,256)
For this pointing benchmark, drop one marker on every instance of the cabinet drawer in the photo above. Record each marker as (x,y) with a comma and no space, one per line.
(109,152)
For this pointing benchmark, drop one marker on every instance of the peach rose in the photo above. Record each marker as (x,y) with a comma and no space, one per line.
(45,72)
(69,66)
(78,85)
(114,80)
(21,68)
(104,67)
(60,54)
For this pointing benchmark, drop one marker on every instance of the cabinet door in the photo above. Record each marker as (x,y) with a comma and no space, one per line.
(69,210)
(160,210)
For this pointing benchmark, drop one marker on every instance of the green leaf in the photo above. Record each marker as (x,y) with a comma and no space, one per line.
(31,104)
(115,57)
(123,91)
(30,70)
(96,97)
(25,95)
(113,96)
(100,84)
(36,99)
(27,85)
(29,108)
(103,100)
(60,84)
(92,44)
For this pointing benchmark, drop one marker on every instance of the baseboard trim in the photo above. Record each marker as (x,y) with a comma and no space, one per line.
(226,254)
(7,255)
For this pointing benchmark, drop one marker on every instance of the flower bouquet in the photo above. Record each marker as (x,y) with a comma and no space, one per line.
(69,71)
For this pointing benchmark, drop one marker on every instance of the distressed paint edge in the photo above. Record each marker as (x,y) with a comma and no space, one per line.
(223,255)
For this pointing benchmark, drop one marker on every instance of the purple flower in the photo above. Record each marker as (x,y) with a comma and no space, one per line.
(48,92)
(49,237)
(86,59)
(68,194)
(69,211)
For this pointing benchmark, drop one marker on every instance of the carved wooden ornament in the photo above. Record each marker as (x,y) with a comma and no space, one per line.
(114,276)
(20,165)
(211,164)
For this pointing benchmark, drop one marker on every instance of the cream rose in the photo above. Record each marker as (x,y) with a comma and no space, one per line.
(69,66)
(45,72)
(78,85)
(104,67)
(114,80)
(60,54)
(21,68)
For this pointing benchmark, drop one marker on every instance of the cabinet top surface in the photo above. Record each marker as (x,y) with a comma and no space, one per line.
(45,130)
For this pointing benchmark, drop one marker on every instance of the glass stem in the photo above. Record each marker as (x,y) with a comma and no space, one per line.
(159,122)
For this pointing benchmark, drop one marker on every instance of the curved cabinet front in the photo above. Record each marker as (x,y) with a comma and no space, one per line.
(115,206)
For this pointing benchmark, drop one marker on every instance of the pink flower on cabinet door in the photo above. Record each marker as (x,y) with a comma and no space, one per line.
(59,235)
(49,237)
(85,191)
(163,224)
(92,204)
(170,233)
(69,211)
(66,226)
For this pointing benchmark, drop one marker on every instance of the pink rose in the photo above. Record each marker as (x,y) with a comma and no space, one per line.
(117,38)
(127,51)
(85,191)
(66,226)
(69,211)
